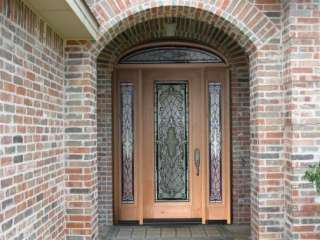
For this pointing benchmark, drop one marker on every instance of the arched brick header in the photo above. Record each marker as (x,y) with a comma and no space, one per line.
(186,30)
(239,19)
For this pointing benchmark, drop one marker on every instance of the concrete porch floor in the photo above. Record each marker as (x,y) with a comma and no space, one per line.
(180,232)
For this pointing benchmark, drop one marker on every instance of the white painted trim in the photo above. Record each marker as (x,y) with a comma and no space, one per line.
(86,18)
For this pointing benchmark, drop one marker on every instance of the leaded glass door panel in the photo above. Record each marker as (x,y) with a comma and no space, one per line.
(173,122)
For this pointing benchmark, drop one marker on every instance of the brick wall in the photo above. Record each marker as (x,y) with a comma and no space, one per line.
(240,136)
(81,199)
(31,126)
(271,8)
(266,148)
(301,76)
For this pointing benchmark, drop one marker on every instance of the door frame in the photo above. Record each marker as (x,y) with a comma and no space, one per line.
(226,104)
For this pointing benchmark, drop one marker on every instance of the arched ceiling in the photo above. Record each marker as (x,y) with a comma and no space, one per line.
(173,28)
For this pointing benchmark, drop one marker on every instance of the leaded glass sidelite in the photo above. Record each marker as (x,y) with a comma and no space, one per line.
(171,54)
(171,143)
(215,140)
(127,142)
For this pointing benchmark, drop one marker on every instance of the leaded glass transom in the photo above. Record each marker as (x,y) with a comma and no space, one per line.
(127,142)
(215,140)
(171,140)
(171,54)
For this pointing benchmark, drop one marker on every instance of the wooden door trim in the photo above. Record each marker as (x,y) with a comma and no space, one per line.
(171,66)
(204,143)
(115,147)
(122,208)
(140,147)
(226,141)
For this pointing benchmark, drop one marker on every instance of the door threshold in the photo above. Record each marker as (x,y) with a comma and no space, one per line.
(158,222)
(189,221)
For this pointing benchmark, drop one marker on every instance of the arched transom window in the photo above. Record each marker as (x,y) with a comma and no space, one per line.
(171,55)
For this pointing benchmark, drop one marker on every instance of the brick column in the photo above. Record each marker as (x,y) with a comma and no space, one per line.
(104,142)
(301,42)
(267,196)
(80,142)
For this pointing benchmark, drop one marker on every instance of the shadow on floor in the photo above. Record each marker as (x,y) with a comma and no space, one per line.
(180,232)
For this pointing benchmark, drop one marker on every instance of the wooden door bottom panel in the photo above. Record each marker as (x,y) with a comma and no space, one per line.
(173,211)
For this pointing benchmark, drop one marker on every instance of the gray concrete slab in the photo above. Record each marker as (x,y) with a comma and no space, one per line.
(180,232)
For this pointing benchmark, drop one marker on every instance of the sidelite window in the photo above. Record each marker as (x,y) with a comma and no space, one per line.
(215,140)
(171,140)
(127,142)
(171,55)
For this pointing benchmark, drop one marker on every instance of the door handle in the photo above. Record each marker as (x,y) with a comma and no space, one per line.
(197,160)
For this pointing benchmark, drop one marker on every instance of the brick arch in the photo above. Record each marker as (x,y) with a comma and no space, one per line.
(245,22)
(187,30)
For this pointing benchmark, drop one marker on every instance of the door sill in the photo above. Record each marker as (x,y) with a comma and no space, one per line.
(171,221)
(128,223)
(155,222)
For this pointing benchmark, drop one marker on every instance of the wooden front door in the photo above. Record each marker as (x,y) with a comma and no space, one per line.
(171,143)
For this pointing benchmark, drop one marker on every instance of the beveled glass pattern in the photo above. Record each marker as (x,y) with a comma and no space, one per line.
(171,143)
(167,54)
(127,142)
(215,140)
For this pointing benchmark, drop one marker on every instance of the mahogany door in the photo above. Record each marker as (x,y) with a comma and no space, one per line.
(173,131)
(171,144)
